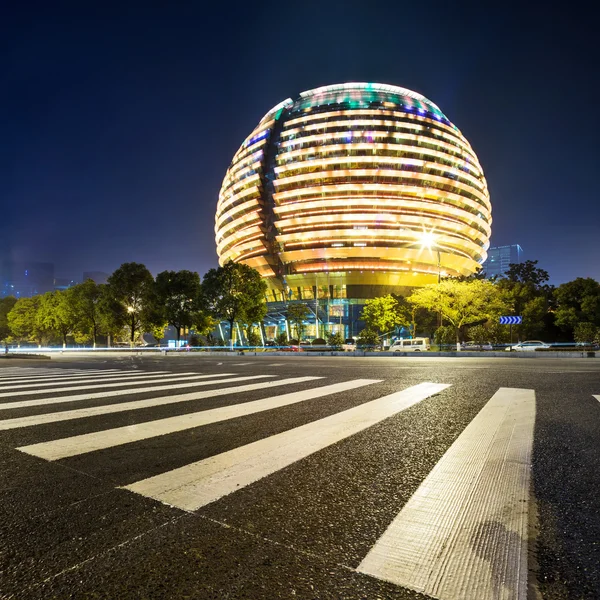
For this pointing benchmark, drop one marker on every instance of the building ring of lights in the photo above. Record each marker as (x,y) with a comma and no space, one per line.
(361,188)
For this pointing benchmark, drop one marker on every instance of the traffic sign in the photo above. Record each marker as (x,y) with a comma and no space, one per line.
(511,320)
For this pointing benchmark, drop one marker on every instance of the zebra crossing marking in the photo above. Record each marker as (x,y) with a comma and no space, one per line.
(100,378)
(200,483)
(463,534)
(81,413)
(109,438)
(597,398)
(128,392)
(39,373)
(168,379)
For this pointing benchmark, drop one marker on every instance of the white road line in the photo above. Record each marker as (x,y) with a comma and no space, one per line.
(115,393)
(81,444)
(200,483)
(54,372)
(81,413)
(597,398)
(275,365)
(76,379)
(463,533)
(102,385)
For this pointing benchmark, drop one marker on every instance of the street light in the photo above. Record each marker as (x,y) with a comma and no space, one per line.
(428,240)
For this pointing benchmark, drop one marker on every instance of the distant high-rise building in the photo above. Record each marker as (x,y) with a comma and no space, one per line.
(25,279)
(500,258)
(96,276)
(63,283)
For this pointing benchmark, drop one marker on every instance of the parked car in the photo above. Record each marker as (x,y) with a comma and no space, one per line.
(414,345)
(529,346)
(477,346)
(349,345)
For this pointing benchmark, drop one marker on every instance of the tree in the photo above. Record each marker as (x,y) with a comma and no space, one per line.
(56,314)
(578,301)
(526,289)
(335,340)
(383,314)
(178,295)
(6,305)
(23,322)
(461,302)
(131,286)
(88,309)
(296,315)
(368,339)
(234,293)
(586,333)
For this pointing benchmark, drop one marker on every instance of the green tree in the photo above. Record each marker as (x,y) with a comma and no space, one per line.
(461,302)
(525,287)
(368,339)
(335,340)
(578,301)
(383,314)
(178,295)
(253,336)
(6,305)
(234,293)
(23,322)
(56,313)
(586,333)
(88,310)
(131,287)
(296,315)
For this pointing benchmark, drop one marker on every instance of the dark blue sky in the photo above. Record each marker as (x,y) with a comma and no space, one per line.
(117,124)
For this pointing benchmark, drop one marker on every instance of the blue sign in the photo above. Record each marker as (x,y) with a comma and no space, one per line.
(511,320)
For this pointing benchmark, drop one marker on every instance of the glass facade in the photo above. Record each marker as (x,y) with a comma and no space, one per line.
(500,258)
(352,191)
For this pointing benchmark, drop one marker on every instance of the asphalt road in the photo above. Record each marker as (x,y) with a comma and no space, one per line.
(80,518)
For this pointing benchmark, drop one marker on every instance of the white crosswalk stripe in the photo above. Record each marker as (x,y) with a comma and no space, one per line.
(80,413)
(205,481)
(99,440)
(200,380)
(100,378)
(597,398)
(469,513)
(463,535)
(169,379)
(46,373)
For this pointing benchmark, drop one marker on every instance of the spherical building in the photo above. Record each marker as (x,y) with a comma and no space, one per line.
(353,191)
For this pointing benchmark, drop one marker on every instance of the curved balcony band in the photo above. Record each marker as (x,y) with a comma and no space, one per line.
(349,180)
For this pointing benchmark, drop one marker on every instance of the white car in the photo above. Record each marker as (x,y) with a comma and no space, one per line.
(529,346)
(477,346)
(412,345)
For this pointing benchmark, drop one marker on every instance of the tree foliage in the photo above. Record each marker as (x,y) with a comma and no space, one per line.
(296,315)
(383,314)
(234,293)
(178,298)
(131,288)
(23,321)
(6,305)
(461,302)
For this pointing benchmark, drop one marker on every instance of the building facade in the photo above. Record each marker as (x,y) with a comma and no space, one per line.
(500,258)
(349,192)
(25,279)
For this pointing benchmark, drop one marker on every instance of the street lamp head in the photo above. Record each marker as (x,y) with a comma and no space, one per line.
(130,309)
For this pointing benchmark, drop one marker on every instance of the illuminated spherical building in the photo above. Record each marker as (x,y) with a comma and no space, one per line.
(353,191)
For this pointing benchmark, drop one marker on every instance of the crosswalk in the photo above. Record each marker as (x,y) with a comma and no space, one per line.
(467,521)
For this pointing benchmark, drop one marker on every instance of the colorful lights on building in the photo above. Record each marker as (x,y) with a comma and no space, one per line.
(365,187)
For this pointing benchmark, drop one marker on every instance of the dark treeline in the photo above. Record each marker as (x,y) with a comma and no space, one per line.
(133,302)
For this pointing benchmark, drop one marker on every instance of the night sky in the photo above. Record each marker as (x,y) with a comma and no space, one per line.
(117,124)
